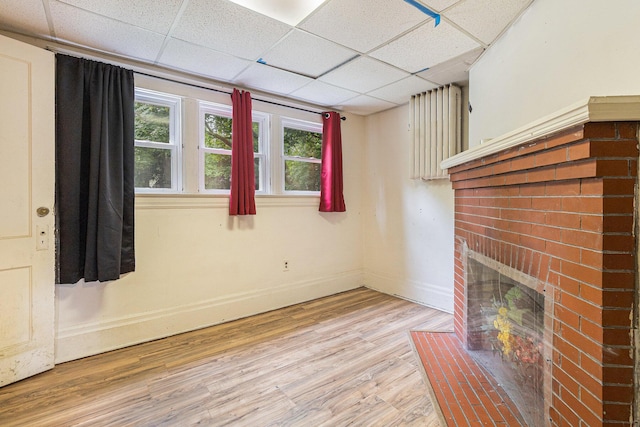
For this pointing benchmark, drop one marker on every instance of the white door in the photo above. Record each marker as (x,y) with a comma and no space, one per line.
(27,153)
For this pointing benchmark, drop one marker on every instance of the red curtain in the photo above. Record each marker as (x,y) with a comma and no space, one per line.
(243,186)
(331,197)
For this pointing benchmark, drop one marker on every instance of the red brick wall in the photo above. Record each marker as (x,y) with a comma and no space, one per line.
(561,209)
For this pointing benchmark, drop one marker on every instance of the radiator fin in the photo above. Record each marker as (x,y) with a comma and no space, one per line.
(436,127)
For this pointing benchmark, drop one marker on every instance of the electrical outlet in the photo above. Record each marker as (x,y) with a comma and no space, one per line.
(285,266)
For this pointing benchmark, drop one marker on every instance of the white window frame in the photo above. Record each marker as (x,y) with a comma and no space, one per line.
(175,137)
(264,120)
(263,145)
(287,122)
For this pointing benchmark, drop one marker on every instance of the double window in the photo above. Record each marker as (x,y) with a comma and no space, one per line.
(286,156)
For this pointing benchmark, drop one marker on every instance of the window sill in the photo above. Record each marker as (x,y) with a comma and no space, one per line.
(215,201)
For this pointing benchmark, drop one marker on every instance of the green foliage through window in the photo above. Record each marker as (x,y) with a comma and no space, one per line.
(217,161)
(302,143)
(152,168)
(153,151)
(152,122)
(301,176)
(302,151)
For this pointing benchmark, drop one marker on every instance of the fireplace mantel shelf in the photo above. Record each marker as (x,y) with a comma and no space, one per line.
(593,109)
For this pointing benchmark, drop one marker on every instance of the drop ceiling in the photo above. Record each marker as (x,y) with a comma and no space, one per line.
(358,56)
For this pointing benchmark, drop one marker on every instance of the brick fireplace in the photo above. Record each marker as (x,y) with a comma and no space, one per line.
(555,202)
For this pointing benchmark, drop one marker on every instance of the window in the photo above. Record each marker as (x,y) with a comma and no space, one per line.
(183,144)
(215,148)
(157,142)
(302,151)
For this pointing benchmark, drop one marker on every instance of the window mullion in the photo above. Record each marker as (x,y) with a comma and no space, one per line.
(189,147)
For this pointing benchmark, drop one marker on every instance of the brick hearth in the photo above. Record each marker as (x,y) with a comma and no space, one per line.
(561,209)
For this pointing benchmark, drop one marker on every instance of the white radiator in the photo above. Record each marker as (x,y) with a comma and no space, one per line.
(436,128)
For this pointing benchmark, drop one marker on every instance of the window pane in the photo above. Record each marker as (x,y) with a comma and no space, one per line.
(256,137)
(217,171)
(217,132)
(302,143)
(301,176)
(153,168)
(256,171)
(151,122)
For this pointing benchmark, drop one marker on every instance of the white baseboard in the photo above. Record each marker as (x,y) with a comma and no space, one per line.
(423,293)
(99,337)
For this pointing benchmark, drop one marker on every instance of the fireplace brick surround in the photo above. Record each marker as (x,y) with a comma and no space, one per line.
(560,208)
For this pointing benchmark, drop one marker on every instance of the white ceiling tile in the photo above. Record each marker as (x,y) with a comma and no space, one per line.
(263,77)
(486,19)
(363,74)
(305,53)
(81,27)
(364,105)
(363,24)
(323,93)
(438,5)
(24,16)
(152,15)
(425,47)
(401,91)
(356,47)
(454,70)
(228,27)
(201,60)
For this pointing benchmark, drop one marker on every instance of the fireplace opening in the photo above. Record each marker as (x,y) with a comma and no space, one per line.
(505,333)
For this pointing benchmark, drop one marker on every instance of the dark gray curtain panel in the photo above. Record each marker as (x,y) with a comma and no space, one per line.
(94,170)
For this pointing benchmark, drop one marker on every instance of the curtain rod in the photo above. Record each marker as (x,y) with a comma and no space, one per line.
(62,50)
(229,93)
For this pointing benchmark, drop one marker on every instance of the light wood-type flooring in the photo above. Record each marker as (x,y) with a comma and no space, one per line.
(342,360)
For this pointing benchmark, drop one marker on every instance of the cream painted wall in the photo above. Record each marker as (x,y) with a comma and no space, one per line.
(196,266)
(408,241)
(556,54)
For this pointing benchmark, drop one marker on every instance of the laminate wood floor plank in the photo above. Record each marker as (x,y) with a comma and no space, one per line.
(340,360)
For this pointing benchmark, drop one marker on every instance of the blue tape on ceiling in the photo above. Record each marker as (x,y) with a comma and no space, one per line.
(261,61)
(422,8)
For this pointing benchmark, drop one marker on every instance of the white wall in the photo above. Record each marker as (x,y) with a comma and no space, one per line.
(556,54)
(196,266)
(408,241)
